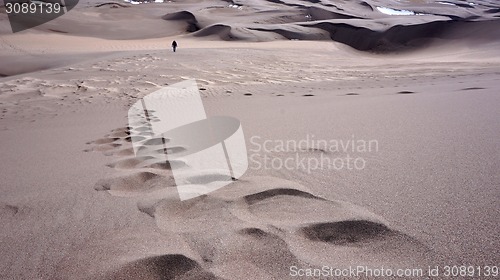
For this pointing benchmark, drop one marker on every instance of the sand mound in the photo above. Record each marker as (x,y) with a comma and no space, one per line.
(317,13)
(220,31)
(294,32)
(188,18)
(182,15)
(257,197)
(113,5)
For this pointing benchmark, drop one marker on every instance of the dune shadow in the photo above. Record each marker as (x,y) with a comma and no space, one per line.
(8,209)
(347,232)
(170,266)
(473,88)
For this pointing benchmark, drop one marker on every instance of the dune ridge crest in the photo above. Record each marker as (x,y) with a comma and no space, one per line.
(368,25)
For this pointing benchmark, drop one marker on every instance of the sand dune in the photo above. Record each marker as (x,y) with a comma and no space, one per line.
(169,19)
(401,37)
(187,17)
(420,77)
(354,25)
(357,24)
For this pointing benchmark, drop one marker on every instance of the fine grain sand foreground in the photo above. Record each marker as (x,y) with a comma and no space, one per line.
(77,204)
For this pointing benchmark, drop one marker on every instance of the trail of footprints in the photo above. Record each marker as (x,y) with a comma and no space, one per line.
(274,220)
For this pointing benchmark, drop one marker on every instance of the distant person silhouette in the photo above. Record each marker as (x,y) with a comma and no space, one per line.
(174,45)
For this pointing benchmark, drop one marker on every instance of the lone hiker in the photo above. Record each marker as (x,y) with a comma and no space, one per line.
(174,45)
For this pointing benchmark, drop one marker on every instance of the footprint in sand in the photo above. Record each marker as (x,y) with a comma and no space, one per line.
(406,92)
(306,223)
(142,173)
(169,266)
(259,222)
(8,210)
(134,184)
(473,88)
